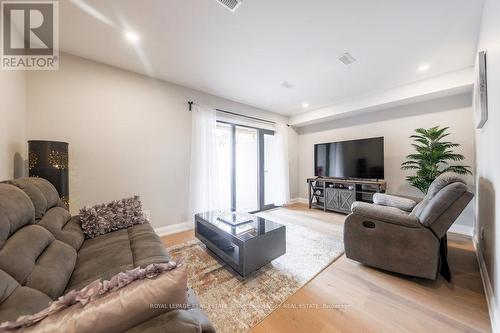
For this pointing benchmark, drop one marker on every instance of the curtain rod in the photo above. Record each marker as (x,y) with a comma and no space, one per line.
(191,103)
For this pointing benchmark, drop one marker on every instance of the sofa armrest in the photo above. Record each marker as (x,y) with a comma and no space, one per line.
(195,308)
(386,214)
(402,203)
(416,199)
(192,319)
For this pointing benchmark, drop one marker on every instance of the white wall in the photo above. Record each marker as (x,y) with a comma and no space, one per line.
(395,125)
(128,134)
(488,162)
(13,144)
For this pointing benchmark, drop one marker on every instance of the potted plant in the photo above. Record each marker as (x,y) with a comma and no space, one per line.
(433,157)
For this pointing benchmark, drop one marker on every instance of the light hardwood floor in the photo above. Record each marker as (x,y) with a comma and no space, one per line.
(350,297)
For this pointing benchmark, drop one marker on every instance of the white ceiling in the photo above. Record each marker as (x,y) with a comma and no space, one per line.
(245,56)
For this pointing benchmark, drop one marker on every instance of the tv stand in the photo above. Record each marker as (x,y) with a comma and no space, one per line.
(338,194)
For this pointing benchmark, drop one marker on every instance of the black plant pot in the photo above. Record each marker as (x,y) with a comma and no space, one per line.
(49,160)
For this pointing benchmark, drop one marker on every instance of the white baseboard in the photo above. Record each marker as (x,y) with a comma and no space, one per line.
(299,200)
(488,288)
(174,228)
(462,229)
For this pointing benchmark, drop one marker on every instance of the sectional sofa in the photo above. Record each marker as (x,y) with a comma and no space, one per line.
(44,254)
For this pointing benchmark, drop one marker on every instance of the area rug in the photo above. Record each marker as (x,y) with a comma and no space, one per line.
(235,304)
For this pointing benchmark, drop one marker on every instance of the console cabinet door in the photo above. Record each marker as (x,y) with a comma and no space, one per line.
(346,199)
(332,199)
(339,200)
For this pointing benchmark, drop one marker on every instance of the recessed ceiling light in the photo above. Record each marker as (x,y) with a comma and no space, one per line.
(132,36)
(305,105)
(423,68)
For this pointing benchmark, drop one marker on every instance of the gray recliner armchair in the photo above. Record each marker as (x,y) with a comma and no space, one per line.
(400,235)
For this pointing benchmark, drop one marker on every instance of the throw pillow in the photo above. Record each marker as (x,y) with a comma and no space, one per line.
(118,214)
(115,305)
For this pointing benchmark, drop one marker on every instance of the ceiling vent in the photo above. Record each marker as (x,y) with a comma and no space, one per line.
(347,59)
(232,5)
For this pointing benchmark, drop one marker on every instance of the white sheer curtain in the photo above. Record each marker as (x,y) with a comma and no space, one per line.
(280,170)
(203,176)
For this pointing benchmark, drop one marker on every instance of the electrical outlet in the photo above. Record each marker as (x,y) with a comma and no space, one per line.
(147,215)
(482,233)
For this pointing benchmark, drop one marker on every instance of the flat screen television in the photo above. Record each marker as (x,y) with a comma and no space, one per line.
(363,159)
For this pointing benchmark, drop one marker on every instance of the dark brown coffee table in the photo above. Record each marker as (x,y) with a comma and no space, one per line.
(246,247)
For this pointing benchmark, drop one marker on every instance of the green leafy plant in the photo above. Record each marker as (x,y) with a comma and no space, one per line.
(433,156)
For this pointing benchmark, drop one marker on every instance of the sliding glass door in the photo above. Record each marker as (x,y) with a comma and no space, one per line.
(246,169)
(267,167)
(245,159)
(224,165)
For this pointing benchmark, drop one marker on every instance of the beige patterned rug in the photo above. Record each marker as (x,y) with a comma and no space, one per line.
(234,304)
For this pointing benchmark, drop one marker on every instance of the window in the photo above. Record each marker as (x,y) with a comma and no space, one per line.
(224,155)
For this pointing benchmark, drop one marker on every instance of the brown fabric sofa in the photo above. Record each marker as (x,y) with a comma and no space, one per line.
(43,255)
(404,238)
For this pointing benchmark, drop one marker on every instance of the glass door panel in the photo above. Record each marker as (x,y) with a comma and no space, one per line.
(268,146)
(224,157)
(246,169)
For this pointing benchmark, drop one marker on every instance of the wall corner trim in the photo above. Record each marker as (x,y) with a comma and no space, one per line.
(298,200)
(488,289)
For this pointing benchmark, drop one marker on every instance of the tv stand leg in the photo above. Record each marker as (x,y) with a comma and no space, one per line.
(310,197)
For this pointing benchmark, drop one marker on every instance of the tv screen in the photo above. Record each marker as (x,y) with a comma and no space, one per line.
(350,159)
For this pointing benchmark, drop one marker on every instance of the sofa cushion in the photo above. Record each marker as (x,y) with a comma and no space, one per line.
(147,247)
(174,321)
(41,192)
(432,208)
(16,300)
(65,228)
(20,252)
(118,251)
(7,285)
(441,182)
(112,306)
(16,211)
(417,210)
(35,259)
(192,320)
(101,257)
(53,269)
(17,231)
